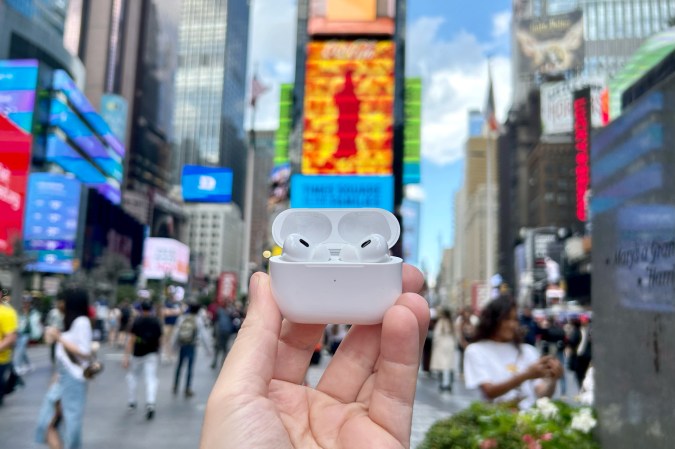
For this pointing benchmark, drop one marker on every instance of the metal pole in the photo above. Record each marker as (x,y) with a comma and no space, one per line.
(248,205)
(488,218)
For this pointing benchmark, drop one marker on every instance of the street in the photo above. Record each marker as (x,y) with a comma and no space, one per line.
(177,423)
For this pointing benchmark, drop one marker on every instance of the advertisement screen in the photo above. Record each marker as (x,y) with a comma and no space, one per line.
(52,214)
(165,258)
(582,141)
(18,81)
(349,100)
(207,184)
(551,44)
(355,17)
(15,154)
(227,287)
(342,191)
(114,110)
(556,105)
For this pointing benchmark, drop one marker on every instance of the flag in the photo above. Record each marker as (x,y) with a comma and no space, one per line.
(491,123)
(257,89)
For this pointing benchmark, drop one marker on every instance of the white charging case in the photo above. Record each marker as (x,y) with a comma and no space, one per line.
(335,292)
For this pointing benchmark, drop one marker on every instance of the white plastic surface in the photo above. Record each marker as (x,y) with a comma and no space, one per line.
(335,292)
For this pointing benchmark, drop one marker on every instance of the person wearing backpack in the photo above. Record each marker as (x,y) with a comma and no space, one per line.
(190,330)
(222,330)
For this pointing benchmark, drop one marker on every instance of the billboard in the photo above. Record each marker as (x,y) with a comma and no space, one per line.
(15,155)
(227,287)
(412,130)
(114,110)
(556,105)
(18,81)
(582,142)
(348,107)
(550,44)
(165,258)
(342,191)
(52,215)
(206,184)
(353,17)
(411,216)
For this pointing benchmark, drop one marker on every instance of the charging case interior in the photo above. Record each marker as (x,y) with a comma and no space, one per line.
(335,292)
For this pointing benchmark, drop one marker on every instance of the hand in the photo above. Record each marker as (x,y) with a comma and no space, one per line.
(365,396)
(52,334)
(555,368)
(539,369)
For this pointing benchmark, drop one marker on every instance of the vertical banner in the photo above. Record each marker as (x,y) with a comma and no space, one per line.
(581,112)
(15,154)
(227,287)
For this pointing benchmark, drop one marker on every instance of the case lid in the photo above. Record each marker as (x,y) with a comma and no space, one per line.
(336,226)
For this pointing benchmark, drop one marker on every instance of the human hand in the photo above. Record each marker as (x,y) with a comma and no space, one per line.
(52,334)
(365,396)
(538,369)
(555,368)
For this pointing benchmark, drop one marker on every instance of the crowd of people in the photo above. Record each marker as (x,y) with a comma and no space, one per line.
(508,355)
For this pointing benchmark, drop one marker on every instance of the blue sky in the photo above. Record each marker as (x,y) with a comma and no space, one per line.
(448,42)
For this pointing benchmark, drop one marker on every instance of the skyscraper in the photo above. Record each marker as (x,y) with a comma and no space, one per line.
(211,87)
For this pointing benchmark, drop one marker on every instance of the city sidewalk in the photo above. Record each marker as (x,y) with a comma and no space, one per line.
(177,424)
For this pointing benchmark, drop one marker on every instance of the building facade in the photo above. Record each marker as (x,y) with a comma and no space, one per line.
(211,87)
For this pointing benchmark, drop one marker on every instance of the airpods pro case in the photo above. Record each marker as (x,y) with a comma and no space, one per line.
(335,291)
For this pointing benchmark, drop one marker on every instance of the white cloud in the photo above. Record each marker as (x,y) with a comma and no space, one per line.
(454,81)
(415,192)
(501,24)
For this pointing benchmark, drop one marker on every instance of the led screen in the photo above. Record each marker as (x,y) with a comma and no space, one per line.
(18,81)
(207,184)
(353,17)
(15,154)
(349,98)
(342,191)
(52,214)
(165,258)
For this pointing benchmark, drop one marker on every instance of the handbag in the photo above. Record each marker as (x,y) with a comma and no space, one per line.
(92,369)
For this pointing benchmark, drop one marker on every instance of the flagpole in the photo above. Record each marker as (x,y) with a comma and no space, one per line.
(488,197)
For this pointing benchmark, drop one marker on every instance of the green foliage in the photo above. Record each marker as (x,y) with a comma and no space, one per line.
(126,291)
(498,426)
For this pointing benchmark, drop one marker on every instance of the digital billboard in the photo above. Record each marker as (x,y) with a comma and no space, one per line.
(18,81)
(556,105)
(15,155)
(166,258)
(412,130)
(227,287)
(550,44)
(353,17)
(52,215)
(114,110)
(348,108)
(342,191)
(206,184)
(582,141)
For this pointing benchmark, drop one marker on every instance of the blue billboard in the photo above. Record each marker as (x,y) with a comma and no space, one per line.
(207,184)
(342,191)
(18,81)
(114,110)
(52,214)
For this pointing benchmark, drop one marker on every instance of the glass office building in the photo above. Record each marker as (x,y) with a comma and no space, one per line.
(613,31)
(211,87)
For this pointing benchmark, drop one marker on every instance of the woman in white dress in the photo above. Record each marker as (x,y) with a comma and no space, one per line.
(443,350)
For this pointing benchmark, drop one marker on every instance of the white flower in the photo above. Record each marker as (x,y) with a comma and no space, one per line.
(547,408)
(583,421)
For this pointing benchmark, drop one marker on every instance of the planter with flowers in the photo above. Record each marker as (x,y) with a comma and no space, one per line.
(548,425)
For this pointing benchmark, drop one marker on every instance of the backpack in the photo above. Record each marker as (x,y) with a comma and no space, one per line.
(187,331)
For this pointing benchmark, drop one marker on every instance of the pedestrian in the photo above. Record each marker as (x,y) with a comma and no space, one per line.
(9,323)
(61,416)
(144,344)
(223,329)
(171,310)
(55,319)
(113,325)
(580,348)
(464,331)
(126,314)
(190,331)
(503,368)
(30,329)
(364,398)
(443,350)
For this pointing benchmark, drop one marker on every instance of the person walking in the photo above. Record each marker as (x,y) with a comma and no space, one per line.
(30,329)
(171,310)
(55,319)
(443,350)
(190,331)
(61,416)
(9,323)
(144,344)
(222,330)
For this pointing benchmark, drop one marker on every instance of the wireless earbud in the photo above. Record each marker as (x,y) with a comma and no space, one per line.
(372,249)
(298,249)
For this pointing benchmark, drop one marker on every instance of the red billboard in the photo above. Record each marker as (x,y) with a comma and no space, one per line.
(227,287)
(582,126)
(352,17)
(349,103)
(15,151)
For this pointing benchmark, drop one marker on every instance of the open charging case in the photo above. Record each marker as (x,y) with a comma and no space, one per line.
(334,291)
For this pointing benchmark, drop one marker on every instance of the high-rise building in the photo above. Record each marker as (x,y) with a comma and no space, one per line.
(211,87)
(260,224)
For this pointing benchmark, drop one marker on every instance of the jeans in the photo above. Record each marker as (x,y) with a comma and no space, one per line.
(148,363)
(187,353)
(20,352)
(4,372)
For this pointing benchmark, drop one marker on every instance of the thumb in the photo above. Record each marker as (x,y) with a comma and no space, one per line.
(250,363)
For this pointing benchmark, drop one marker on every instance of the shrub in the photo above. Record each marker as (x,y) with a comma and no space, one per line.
(548,425)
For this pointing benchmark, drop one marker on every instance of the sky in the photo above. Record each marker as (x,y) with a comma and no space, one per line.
(447,45)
